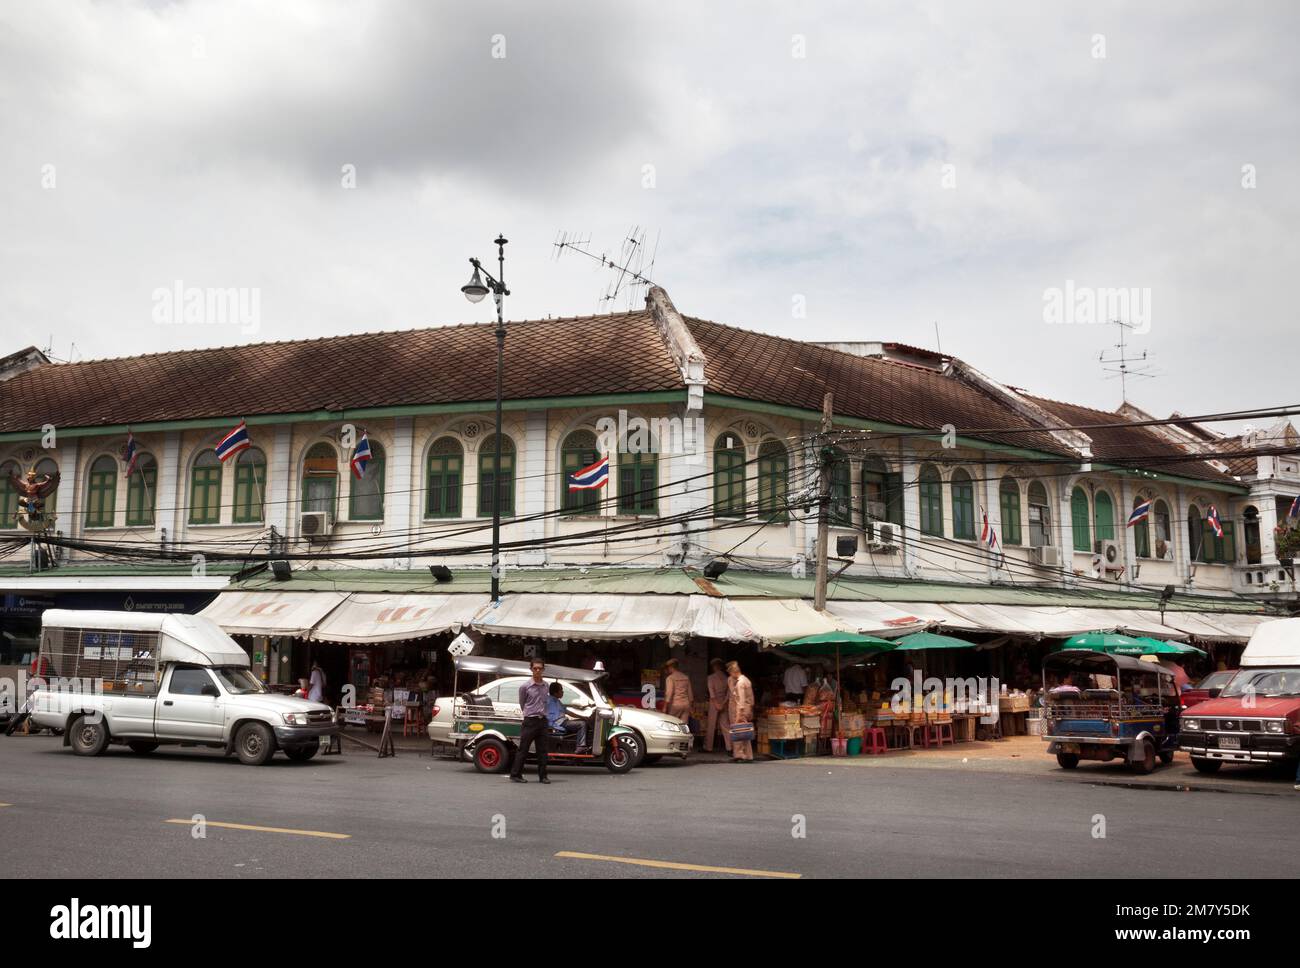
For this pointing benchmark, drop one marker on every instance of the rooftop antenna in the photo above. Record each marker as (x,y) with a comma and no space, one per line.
(1122,365)
(631,268)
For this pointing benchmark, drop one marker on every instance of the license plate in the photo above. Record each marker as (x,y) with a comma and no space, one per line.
(1229,742)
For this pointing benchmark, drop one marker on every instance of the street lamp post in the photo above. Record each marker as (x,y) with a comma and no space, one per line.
(479,285)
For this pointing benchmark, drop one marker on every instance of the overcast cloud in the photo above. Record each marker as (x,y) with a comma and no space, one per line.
(141,144)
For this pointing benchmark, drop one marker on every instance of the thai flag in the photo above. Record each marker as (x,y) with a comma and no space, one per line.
(988,536)
(1140,513)
(361,456)
(1295,507)
(1213,518)
(591,477)
(234,442)
(129,453)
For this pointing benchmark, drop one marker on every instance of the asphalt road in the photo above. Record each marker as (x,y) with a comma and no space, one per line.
(68,816)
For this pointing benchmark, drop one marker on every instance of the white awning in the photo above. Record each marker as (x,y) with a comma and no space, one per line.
(878,618)
(588,617)
(376,618)
(272,613)
(776,621)
(1136,622)
(1217,626)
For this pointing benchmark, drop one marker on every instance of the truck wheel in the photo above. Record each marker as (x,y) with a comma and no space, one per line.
(1146,763)
(1206,766)
(1067,761)
(141,746)
(301,754)
(88,738)
(620,756)
(254,744)
(1167,757)
(491,756)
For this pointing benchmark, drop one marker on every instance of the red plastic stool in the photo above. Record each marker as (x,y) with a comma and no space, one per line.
(946,735)
(933,735)
(873,741)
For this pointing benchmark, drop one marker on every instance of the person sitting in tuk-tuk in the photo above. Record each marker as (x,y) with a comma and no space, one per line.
(558,718)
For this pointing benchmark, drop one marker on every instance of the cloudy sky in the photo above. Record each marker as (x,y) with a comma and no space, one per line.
(875,167)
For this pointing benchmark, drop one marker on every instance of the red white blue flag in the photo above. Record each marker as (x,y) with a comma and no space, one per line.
(234,442)
(590,477)
(1140,513)
(361,456)
(1213,519)
(988,535)
(1295,507)
(129,453)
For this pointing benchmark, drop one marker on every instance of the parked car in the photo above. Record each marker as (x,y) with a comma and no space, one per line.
(148,680)
(1207,688)
(655,734)
(1256,718)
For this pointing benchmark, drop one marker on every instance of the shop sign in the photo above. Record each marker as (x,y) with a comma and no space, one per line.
(460,645)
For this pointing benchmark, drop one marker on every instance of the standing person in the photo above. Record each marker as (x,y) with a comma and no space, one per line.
(316,687)
(740,709)
(678,694)
(718,701)
(795,681)
(533,695)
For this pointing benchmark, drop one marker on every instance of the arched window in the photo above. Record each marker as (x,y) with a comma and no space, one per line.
(366,493)
(578,451)
(250,486)
(445,470)
(1103,516)
(963,505)
(1250,530)
(638,483)
(45,467)
(930,492)
(773,480)
(1195,533)
(1009,504)
(882,495)
(1164,532)
(320,479)
(1040,516)
(841,490)
(141,488)
(9,494)
(496,483)
(101,492)
(1081,520)
(1141,532)
(728,477)
(205,489)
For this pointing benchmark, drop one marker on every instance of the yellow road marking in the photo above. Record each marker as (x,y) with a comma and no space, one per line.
(674,866)
(265,830)
(6,804)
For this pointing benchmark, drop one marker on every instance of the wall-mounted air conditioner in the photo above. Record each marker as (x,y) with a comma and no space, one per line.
(315,525)
(1112,558)
(1046,555)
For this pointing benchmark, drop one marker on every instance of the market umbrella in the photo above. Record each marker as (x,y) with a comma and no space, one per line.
(931,640)
(1112,642)
(826,644)
(1157,647)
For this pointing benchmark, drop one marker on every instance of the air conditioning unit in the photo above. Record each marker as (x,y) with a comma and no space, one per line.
(1046,555)
(876,510)
(885,542)
(315,525)
(1112,558)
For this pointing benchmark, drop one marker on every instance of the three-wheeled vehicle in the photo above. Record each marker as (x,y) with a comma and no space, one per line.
(1099,706)
(488,732)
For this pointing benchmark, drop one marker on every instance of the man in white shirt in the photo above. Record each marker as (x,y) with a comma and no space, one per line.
(316,689)
(796,680)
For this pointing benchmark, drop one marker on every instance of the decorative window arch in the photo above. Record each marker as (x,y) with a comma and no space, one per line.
(1040,516)
(882,495)
(496,484)
(963,505)
(250,486)
(773,480)
(1009,505)
(1080,519)
(366,493)
(1103,516)
(1164,530)
(445,472)
(578,450)
(930,493)
(728,477)
(9,494)
(101,492)
(141,491)
(320,479)
(205,488)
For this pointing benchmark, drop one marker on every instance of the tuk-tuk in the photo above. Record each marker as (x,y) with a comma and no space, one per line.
(1098,706)
(487,729)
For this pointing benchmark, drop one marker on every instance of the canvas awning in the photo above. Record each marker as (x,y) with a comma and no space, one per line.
(877,618)
(589,617)
(774,621)
(378,618)
(272,613)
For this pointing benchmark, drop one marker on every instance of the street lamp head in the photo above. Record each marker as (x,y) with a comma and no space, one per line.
(474,290)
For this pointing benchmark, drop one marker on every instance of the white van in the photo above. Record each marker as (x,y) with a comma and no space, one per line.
(147,680)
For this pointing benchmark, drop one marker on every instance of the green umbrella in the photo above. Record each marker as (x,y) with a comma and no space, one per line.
(1112,642)
(826,644)
(1157,647)
(932,640)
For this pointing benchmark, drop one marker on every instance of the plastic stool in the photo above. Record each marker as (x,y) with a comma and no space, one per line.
(874,741)
(946,734)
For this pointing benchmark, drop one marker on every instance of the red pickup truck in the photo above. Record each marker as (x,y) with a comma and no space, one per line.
(1256,718)
(1207,688)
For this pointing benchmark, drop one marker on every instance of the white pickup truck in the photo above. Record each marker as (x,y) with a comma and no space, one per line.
(149,680)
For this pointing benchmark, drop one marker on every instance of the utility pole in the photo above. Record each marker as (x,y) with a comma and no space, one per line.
(823,501)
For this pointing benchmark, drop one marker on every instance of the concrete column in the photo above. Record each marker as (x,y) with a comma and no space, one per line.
(280,512)
(170,500)
(402,502)
(536,480)
(911,509)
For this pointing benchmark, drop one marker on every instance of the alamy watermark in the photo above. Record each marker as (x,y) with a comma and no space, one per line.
(930,694)
(180,304)
(1074,305)
(649,435)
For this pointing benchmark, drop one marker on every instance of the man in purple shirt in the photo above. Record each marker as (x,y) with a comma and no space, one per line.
(532,703)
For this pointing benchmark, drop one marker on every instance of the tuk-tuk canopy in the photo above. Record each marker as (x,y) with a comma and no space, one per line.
(1086,660)
(486,665)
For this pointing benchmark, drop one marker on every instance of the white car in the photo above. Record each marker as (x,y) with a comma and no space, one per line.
(658,734)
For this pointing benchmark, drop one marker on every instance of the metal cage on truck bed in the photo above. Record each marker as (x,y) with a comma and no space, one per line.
(124,661)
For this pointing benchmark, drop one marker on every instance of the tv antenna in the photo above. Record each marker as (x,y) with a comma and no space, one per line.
(1121,364)
(631,267)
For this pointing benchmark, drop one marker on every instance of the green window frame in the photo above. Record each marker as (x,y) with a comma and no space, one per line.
(320,488)
(638,483)
(141,492)
(728,479)
(1195,533)
(930,494)
(1142,532)
(445,470)
(101,493)
(773,481)
(45,467)
(9,495)
(841,490)
(250,487)
(1009,506)
(505,475)
(1080,520)
(578,451)
(1216,550)
(366,494)
(963,505)
(205,489)
(1103,516)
